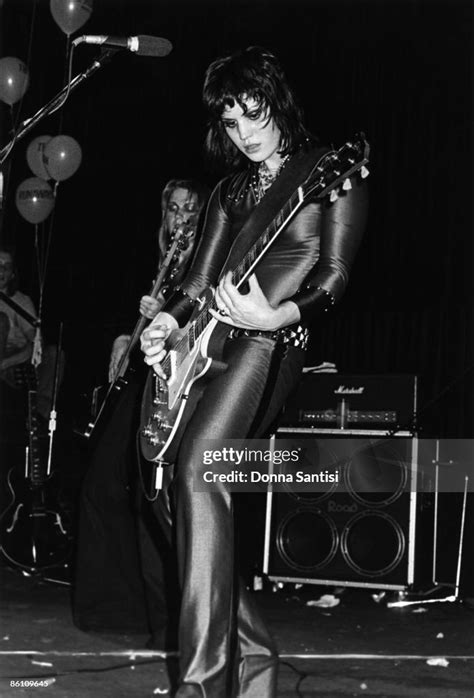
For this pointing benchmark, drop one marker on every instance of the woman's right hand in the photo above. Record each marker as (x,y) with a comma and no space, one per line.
(118,349)
(153,341)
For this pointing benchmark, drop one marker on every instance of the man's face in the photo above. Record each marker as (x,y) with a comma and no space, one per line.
(6,270)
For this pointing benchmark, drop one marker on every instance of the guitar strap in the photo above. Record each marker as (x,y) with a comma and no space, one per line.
(19,310)
(295,172)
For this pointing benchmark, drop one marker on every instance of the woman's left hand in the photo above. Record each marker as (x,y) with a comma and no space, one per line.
(149,306)
(250,311)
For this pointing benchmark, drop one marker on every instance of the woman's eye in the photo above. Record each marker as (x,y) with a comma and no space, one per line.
(254,115)
(229,124)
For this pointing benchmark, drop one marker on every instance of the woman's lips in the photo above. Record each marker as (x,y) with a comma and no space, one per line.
(252,148)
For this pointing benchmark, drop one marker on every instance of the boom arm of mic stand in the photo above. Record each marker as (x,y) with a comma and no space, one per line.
(28,124)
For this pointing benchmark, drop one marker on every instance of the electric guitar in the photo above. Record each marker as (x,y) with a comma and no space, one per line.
(189,363)
(180,237)
(33,532)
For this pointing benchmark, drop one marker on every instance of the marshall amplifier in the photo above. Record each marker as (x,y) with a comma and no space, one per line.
(332,401)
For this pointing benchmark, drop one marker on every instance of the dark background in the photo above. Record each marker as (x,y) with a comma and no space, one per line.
(401,71)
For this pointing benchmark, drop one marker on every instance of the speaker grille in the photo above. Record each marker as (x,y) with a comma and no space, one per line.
(376,475)
(317,457)
(307,540)
(372,543)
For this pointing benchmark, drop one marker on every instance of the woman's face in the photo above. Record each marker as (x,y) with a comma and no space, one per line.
(253,132)
(182,207)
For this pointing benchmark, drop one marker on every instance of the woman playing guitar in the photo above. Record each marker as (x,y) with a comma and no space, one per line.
(112,589)
(256,130)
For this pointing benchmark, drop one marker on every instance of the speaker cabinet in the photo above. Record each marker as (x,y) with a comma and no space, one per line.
(366,530)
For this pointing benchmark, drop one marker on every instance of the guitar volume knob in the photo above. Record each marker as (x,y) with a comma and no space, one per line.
(156,441)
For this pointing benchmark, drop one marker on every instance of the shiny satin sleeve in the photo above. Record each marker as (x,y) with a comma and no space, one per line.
(210,256)
(342,227)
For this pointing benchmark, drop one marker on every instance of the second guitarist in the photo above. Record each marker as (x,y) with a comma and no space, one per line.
(112,588)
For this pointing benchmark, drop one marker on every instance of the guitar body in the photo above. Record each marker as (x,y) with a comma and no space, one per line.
(168,405)
(34,533)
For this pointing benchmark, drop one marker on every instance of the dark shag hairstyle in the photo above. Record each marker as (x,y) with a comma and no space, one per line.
(251,73)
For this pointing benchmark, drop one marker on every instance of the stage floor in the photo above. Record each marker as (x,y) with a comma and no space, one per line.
(357,648)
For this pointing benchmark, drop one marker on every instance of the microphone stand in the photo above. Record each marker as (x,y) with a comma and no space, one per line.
(26,125)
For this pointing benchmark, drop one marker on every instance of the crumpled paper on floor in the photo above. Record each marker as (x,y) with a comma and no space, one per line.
(326,601)
(437,661)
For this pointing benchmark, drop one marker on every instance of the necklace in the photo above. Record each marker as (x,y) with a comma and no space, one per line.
(264,178)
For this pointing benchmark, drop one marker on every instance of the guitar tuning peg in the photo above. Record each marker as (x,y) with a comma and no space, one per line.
(364,172)
(333,196)
(347,184)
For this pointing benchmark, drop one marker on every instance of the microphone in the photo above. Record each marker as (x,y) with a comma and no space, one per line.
(141,45)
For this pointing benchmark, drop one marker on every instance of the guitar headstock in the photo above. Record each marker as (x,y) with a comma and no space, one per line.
(183,232)
(336,167)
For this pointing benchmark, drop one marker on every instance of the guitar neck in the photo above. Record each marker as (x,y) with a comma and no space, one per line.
(142,321)
(35,473)
(250,261)
(138,329)
(259,248)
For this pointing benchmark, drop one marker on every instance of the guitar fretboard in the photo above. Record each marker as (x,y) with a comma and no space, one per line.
(35,469)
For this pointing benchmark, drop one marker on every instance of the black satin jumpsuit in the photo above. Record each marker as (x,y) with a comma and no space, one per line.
(225,649)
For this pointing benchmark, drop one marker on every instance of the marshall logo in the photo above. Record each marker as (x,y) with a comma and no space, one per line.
(343,390)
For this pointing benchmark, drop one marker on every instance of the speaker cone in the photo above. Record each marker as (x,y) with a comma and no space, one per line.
(376,475)
(307,540)
(372,543)
(316,458)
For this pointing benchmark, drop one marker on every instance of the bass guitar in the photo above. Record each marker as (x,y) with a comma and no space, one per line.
(193,352)
(33,532)
(179,241)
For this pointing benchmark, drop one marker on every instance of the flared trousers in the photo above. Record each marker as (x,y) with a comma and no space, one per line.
(225,648)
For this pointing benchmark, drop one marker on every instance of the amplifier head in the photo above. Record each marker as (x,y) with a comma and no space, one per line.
(335,400)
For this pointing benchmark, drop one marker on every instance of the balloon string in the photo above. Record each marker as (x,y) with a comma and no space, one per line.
(6,178)
(67,57)
(47,246)
(67,79)
(13,131)
(39,267)
(29,52)
(36,355)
